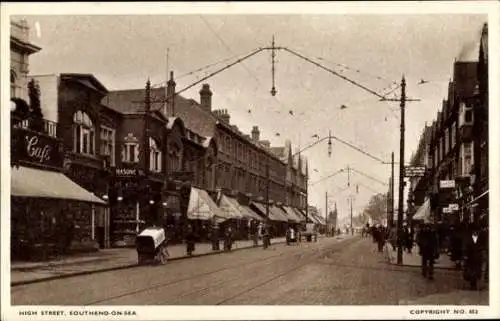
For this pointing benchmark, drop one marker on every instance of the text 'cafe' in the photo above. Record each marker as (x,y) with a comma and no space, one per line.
(50,213)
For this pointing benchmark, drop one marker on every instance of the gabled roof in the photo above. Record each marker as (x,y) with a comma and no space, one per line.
(194,117)
(87,80)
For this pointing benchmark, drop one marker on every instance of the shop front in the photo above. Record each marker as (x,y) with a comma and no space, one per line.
(137,200)
(50,213)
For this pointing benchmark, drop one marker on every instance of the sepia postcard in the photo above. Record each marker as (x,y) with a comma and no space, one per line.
(250,161)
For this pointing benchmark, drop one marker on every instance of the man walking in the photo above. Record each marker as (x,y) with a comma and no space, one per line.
(428,244)
(473,256)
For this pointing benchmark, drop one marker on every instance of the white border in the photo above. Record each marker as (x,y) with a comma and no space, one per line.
(261,312)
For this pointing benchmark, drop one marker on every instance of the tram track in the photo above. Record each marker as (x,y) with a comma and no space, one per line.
(189,279)
(212,288)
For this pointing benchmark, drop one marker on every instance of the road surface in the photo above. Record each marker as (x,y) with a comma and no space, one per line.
(333,271)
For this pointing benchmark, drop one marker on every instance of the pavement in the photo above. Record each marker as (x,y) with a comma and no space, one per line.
(414,259)
(104,260)
(345,270)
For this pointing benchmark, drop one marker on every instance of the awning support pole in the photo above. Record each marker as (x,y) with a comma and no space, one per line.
(137,216)
(93,222)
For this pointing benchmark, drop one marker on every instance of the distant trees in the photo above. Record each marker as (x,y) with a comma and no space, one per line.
(377,208)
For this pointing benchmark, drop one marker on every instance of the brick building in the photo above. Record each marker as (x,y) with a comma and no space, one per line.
(224,160)
(457,145)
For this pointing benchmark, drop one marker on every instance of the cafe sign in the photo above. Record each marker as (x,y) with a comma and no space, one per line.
(35,148)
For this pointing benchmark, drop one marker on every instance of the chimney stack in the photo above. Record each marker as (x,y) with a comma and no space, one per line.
(225,116)
(170,96)
(255,133)
(206,98)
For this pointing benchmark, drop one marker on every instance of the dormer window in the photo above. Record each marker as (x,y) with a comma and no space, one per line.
(83,134)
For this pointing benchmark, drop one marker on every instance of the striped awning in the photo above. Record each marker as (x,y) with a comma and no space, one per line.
(293,215)
(273,216)
(230,207)
(202,207)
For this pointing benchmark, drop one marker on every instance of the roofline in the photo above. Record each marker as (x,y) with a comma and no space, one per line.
(102,88)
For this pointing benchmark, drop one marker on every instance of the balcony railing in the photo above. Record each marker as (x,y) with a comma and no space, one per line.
(43,126)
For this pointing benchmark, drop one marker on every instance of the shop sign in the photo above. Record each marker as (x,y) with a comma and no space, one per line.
(128,172)
(446,210)
(36,148)
(447,184)
(414,171)
(453,207)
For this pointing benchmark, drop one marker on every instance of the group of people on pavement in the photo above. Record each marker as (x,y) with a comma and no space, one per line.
(467,246)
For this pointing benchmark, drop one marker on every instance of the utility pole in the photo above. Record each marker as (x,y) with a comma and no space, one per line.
(266,234)
(352,231)
(326,211)
(147,111)
(401,171)
(392,190)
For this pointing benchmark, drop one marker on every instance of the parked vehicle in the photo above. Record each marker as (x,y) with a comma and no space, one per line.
(310,232)
(151,246)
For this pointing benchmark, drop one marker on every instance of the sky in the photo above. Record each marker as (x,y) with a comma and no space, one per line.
(372,50)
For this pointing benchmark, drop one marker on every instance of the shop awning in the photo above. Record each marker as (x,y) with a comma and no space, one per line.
(230,207)
(424,211)
(32,182)
(273,216)
(202,207)
(299,214)
(314,219)
(321,220)
(279,212)
(293,215)
(249,213)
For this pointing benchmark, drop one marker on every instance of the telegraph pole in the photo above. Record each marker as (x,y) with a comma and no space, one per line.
(147,111)
(401,171)
(392,191)
(352,231)
(266,233)
(326,211)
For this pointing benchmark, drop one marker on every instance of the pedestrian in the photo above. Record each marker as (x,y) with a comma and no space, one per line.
(408,239)
(473,256)
(456,246)
(228,238)
(190,240)
(428,249)
(380,238)
(215,235)
(393,238)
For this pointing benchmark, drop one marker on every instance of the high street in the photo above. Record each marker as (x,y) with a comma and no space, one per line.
(334,271)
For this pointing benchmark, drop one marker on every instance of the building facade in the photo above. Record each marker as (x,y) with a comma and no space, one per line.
(457,147)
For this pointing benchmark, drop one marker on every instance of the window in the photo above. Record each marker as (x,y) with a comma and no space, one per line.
(228,145)
(13,80)
(83,134)
(154,156)
(446,140)
(174,159)
(108,144)
(453,134)
(130,152)
(468,116)
(467,161)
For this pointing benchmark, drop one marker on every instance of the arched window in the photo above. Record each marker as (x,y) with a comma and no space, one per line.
(13,83)
(154,156)
(83,134)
